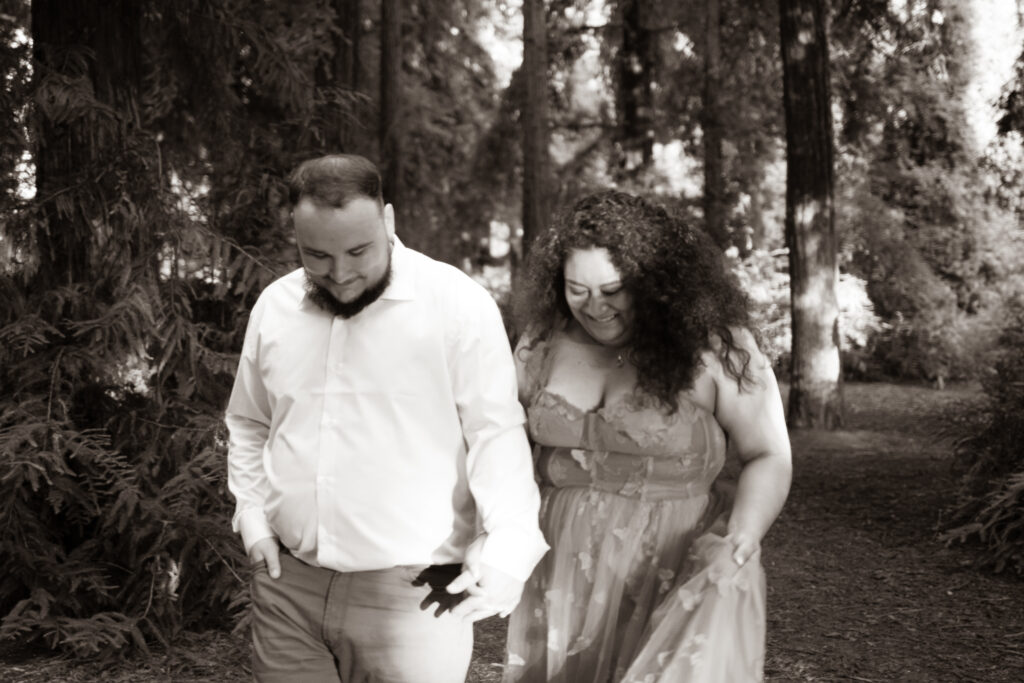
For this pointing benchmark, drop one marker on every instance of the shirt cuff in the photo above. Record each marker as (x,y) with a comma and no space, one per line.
(514,551)
(252,525)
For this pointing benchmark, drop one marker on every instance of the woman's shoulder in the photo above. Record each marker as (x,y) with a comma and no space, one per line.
(735,338)
(739,337)
(741,353)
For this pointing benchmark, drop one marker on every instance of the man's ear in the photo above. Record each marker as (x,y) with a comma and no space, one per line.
(389,221)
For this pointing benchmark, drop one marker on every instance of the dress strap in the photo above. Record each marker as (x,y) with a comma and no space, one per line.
(535,354)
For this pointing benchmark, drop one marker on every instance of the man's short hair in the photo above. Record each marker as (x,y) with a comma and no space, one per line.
(335,180)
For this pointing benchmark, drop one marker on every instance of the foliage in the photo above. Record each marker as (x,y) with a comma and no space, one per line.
(115,508)
(1012,103)
(449,101)
(925,219)
(989,509)
(764,276)
(116,511)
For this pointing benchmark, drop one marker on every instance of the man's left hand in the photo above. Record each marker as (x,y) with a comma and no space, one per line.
(490,590)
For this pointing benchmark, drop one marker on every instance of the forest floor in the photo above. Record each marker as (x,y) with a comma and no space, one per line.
(860,588)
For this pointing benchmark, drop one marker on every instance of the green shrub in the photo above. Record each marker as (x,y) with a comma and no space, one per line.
(114,507)
(940,260)
(989,508)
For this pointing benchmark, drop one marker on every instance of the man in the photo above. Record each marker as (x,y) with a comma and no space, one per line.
(376,444)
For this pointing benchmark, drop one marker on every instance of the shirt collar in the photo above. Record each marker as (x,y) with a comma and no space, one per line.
(403,281)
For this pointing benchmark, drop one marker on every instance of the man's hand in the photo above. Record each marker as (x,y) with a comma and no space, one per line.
(495,592)
(266,550)
(491,591)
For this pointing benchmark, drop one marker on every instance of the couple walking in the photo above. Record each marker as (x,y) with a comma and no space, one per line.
(381,433)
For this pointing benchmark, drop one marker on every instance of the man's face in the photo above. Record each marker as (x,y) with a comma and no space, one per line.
(346,252)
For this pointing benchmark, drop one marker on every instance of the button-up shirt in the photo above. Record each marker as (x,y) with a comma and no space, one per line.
(390,438)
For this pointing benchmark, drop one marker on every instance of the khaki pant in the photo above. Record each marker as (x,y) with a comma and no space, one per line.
(387,626)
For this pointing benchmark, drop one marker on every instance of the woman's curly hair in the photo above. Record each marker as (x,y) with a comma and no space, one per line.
(685,300)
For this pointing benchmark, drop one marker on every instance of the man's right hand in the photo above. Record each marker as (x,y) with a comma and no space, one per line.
(266,550)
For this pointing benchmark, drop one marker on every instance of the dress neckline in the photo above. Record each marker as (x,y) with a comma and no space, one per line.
(609,410)
(602,409)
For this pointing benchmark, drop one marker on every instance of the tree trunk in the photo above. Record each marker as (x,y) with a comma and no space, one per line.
(96,42)
(390,100)
(347,59)
(635,101)
(343,72)
(815,398)
(714,179)
(536,162)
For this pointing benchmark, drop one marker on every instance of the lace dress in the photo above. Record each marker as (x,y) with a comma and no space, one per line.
(639,585)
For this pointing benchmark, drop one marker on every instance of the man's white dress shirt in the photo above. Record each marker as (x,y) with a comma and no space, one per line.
(391,438)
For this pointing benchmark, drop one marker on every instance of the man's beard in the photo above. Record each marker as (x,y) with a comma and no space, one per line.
(322,297)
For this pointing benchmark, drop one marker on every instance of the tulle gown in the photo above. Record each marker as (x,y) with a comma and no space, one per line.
(638,585)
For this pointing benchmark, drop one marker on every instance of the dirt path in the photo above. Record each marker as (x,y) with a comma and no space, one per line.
(860,589)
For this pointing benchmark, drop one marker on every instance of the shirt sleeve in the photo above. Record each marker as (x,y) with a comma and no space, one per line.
(498,463)
(248,421)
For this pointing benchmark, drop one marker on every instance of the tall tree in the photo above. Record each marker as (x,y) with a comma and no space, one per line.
(121,313)
(391,99)
(815,398)
(635,97)
(536,161)
(340,74)
(711,125)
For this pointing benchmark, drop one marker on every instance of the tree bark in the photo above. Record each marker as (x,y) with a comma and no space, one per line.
(815,398)
(714,179)
(98,43)
(343,73)
(390,100)
(536,161)
(635,101)
(348,60)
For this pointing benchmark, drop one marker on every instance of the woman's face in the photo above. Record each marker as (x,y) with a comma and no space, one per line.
(596,297)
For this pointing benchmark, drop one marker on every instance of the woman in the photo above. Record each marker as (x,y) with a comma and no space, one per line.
(637,368)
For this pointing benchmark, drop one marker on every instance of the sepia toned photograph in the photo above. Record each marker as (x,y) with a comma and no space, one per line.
(511,341)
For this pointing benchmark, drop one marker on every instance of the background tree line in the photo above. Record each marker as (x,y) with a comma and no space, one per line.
(143,209)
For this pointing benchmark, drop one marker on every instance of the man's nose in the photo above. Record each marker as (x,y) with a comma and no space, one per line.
(339,269)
